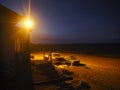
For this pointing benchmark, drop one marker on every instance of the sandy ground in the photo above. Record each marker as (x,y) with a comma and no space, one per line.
(100,73)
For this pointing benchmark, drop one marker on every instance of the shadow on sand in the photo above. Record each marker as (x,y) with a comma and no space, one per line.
(83,86)
(81,64)
(80,85)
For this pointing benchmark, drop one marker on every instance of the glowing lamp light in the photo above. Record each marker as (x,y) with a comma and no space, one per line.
(28,24)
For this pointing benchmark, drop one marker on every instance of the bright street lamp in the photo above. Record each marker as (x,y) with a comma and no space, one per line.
(28,24)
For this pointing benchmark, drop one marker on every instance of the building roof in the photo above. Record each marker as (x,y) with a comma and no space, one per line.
(8,16)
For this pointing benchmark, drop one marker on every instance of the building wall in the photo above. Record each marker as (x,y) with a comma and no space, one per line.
(15,65)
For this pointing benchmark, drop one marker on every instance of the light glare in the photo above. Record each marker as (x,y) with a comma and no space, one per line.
(28,23)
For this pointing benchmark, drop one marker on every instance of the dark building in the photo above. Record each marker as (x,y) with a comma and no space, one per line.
(15,68)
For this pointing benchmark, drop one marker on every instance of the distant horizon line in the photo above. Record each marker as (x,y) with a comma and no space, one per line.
(70,43)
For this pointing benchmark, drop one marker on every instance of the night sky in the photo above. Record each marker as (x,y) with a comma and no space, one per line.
(71,21)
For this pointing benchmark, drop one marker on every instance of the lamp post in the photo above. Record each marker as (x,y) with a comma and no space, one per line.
(27,27)
(28,24)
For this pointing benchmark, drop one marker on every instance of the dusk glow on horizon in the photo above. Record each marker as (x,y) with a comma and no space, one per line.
(71,21)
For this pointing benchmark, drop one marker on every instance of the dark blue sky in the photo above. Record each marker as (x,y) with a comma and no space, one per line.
(72,21)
